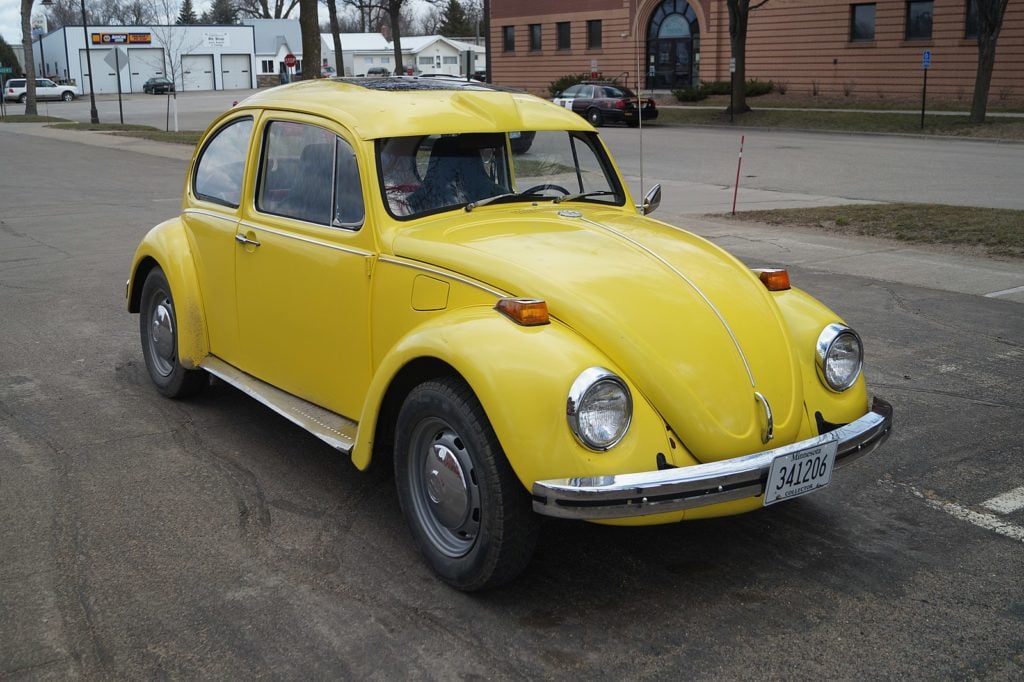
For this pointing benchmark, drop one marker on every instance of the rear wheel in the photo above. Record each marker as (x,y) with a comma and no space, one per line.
(595,117)
(23,98)
(468,513)
(158,328)
(67,96)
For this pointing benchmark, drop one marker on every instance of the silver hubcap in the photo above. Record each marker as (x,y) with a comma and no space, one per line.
(161,337)
(446,486)
(446,498)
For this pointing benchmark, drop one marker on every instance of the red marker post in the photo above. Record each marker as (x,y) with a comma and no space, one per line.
(739,163)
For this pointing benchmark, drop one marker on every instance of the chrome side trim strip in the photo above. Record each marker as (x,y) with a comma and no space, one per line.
(211,214)
(654,492)
(393,260)
(307,240)
(693,285)
(337,431)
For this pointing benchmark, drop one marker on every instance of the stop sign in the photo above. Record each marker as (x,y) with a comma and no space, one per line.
(289,60)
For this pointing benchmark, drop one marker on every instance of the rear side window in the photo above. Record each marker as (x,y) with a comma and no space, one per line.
(221,165)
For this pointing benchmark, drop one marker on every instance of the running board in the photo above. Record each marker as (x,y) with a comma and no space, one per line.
(332,428)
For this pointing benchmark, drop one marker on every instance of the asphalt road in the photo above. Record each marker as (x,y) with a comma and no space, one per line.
(145,538)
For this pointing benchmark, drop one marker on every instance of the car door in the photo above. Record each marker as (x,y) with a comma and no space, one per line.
(46,89)
(211,218)
(303,263)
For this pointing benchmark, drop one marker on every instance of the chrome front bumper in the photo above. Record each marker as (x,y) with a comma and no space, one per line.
(655,492)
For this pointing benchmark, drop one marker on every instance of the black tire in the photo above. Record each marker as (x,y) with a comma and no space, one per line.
(67,96)
(471,518)
(158,328)
(23,98)
(595,117)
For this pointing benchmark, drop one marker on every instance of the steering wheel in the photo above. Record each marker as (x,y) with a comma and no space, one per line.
(537,189)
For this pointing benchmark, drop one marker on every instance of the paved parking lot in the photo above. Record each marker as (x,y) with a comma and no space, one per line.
(144,537)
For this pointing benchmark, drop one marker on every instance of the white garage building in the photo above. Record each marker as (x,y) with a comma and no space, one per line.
(198,57)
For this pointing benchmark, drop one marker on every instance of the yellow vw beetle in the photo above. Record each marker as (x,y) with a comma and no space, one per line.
(455,279)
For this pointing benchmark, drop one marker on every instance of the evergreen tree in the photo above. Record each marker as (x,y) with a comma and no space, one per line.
(8,58)
(187,14)
(455,21)
(221,12)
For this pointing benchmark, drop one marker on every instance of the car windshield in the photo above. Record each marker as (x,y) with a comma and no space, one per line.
(428,174)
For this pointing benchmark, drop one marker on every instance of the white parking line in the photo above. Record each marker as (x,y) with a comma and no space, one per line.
(1004,292)
(986,521)
(1007,503)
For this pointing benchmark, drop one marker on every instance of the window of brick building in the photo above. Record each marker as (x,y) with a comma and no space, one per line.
(862,22)
(593,34)
(564,39)
(971,20)
(508,38)
(919,19)
(534,37)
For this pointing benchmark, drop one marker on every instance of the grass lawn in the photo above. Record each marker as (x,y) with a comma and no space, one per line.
(22,118)
(849,121)
(998,232)
(190,137)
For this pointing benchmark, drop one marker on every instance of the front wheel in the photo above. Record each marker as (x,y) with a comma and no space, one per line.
(468,513)
(158,327)
(595,117)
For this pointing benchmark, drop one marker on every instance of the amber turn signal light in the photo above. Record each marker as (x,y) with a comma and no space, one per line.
(774,279)
(528,312)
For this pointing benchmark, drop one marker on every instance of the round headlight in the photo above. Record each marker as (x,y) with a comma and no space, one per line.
(599,408)
(839,357)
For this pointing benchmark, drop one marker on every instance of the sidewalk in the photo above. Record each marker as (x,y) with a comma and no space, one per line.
(757,244)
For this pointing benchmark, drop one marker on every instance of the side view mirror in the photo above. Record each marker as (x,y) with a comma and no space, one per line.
(652,200)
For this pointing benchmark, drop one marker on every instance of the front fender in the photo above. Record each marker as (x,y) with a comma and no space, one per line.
(522,376)
(167,246)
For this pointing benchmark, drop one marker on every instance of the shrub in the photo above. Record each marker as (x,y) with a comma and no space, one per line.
(566,81)
(756,88)
(782,86)
(715,87)
(690,94)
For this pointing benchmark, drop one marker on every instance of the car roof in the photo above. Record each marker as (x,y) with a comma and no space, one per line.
(375,108)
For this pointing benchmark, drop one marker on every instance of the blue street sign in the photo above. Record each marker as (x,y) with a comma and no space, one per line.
(926,60)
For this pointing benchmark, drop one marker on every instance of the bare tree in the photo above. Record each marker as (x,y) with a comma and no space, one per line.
(339,56)
(264,9)
(176,43)
(309,23)
(739,15)
(30,66)
(989,21)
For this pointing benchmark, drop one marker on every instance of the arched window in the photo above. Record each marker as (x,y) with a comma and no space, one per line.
(673,45)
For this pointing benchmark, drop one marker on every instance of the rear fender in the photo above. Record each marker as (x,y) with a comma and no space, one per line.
(167,246)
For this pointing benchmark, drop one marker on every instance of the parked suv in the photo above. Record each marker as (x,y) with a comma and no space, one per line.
(601,101)
(16,89)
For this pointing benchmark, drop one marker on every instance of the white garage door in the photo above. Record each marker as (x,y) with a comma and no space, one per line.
(235,71)
(197,72)
(143,64)
(103,77)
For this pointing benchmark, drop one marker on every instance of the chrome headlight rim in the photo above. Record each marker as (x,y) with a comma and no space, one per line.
(823,349)
(587,381)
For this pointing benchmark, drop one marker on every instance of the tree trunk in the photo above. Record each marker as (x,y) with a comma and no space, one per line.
(30,61)
(339,56)
(309,22)
(990,21)
(738,42)
(395,17)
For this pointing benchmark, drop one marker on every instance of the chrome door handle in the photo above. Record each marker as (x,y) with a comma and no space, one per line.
(242,239)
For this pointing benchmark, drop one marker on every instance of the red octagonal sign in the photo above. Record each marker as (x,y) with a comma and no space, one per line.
(289,60)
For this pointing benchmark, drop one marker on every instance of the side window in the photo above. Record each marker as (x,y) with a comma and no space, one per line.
(308,173)
(572,91)
(348,191)
(221,165)
(586,92)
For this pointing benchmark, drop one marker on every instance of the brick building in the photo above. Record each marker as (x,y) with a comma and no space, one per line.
(865,49)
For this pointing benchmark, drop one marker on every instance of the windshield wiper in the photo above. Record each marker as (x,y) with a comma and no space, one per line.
(499,198)
(583,195)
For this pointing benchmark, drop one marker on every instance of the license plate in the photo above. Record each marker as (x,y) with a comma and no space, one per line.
(799,473)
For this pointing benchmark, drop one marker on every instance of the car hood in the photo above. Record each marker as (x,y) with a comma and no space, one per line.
(691,327)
